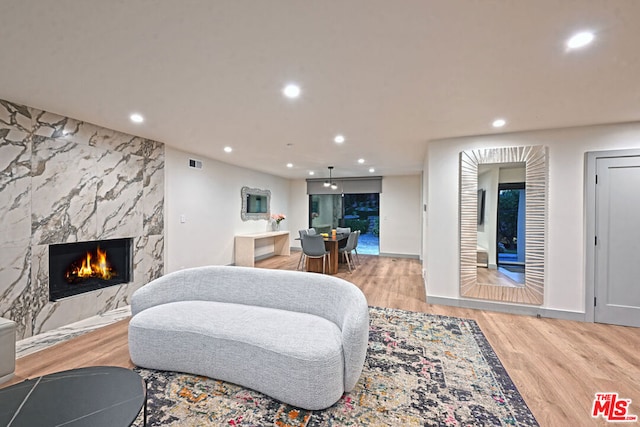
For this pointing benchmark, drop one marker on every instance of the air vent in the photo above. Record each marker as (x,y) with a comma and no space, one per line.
(193,163)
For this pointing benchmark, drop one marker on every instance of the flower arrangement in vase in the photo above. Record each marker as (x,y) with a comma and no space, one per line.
(277,219)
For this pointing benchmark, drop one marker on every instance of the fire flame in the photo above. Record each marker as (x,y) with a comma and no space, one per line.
(91,267)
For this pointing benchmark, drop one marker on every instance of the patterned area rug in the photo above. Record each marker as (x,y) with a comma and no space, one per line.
(420,370)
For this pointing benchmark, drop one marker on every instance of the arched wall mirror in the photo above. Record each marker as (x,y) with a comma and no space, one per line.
(503,210)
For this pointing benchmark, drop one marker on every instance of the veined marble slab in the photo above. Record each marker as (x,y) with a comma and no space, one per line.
(15,187)
(47,339)
(15,116)
(64,180)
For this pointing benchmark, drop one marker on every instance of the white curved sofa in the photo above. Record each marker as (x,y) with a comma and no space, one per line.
(298,337)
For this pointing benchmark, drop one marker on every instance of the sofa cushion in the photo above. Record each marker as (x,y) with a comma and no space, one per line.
(294,357)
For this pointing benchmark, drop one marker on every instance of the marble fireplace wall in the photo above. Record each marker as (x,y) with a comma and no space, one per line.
(63,180)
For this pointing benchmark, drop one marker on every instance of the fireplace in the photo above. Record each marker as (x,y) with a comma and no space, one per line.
(75,268)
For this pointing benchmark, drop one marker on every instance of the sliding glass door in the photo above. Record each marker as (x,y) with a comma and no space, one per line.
(325,212)
(362,212)
(357,211)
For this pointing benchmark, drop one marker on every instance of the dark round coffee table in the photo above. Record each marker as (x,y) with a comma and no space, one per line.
(98,396)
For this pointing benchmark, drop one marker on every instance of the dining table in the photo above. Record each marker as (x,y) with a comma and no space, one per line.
(332,244)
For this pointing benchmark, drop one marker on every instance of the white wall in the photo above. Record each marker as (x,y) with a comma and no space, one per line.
(209,198)
(565,272)
(487,231)
(401,215)
(298,208)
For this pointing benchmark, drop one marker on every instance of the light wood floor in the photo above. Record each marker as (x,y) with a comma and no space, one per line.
(557,365)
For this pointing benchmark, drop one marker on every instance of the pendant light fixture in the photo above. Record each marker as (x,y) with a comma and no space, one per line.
(330,182)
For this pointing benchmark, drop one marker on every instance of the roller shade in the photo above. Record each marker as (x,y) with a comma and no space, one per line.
(361,185)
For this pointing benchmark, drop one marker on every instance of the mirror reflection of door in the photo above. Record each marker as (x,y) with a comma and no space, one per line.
(501,227)
(511,230)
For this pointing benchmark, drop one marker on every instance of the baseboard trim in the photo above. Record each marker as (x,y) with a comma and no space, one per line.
(265,256)
(272,254)
(6,377)
(390,255)
(527,310)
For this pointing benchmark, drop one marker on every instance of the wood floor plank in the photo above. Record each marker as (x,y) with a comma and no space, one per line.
(557,365)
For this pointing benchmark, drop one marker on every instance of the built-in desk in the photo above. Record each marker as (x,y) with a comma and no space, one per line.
(246,246)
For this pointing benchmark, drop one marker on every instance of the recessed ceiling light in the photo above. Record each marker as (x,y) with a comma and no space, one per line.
(312,173)
(580,40)
(291,91)
(498,123)
(289,165)
(372,170)
(228,149)
(339,139)
(136,118)
(361,161)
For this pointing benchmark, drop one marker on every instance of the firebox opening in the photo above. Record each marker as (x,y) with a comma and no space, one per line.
(80,267)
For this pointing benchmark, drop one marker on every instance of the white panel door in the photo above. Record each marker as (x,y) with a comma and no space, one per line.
(617,254)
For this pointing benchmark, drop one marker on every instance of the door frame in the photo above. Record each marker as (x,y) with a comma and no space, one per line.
(591,158)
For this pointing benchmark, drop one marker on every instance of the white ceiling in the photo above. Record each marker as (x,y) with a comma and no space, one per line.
(389,75)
